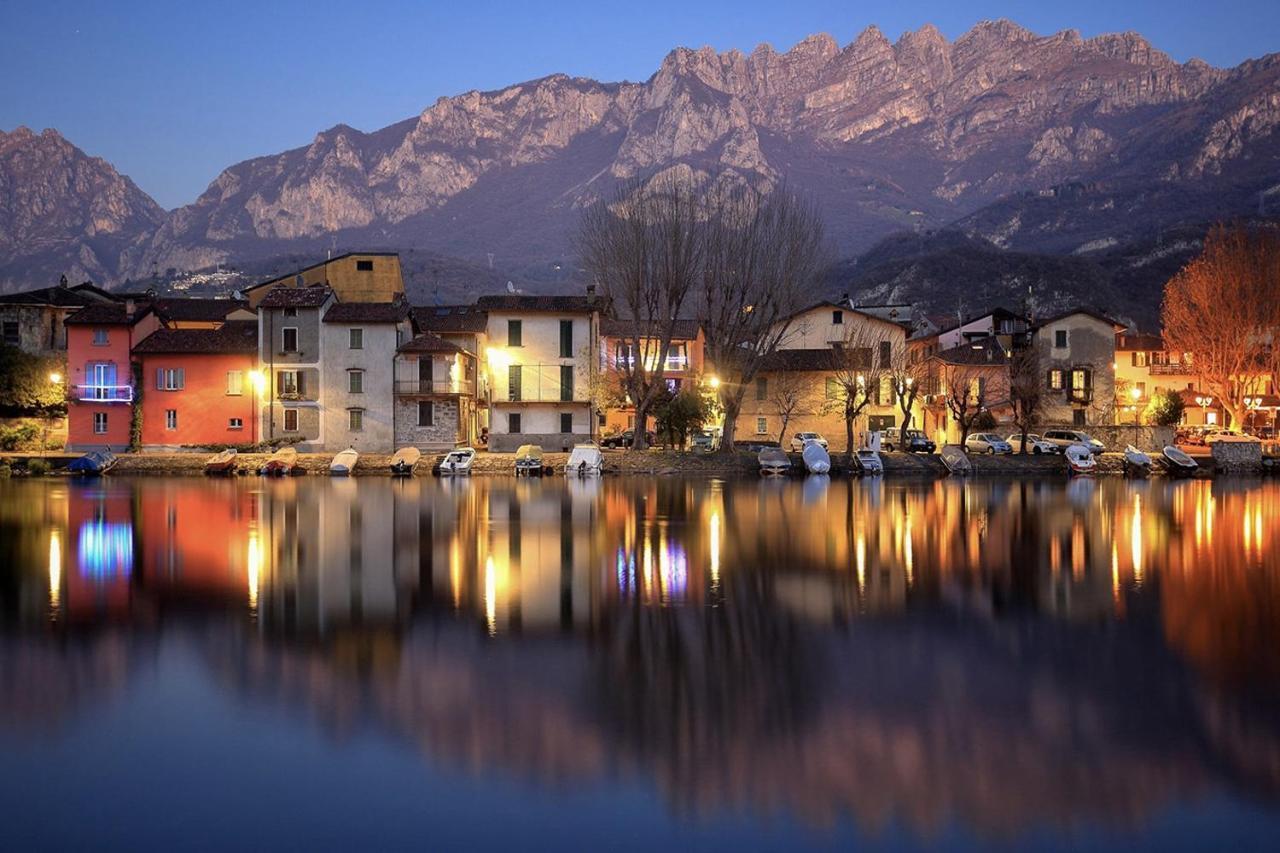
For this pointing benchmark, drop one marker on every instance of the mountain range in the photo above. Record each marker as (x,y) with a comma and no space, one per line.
(1100,154)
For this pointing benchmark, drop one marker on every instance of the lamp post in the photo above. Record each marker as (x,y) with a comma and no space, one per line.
(1135,394)
(1251,405)
(1204,401)
(55,379)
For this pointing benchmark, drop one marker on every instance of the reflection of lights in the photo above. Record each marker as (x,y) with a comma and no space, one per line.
(55,569)
(455,570)
(860,561)
(714,534)
(490,596)
(1135,539)
(253,567)
(105,549)
(907,555)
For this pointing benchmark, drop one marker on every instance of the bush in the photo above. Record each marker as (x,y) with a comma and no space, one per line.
(38,467)
(18,437)
(5,471)
(1164,409)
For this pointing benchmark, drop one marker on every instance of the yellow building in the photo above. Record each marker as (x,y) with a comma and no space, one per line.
(354,277)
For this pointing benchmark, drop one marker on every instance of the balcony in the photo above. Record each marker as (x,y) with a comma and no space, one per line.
(103,393)
(540,383)
(1170,370)
(1083,396)
(428,388)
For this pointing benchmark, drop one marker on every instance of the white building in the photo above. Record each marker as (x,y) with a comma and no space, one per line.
(358,342)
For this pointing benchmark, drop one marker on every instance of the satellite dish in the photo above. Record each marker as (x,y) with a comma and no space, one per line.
(511,288)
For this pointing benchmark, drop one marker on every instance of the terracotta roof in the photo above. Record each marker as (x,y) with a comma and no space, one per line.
(210,310)
(683,330)
(428,342)
(522,302)
(984,351)
(108,314)
(240,336)
(366,312)
(296,297)
(450,318)
(62,297)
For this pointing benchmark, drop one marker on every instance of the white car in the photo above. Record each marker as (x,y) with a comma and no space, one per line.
(986,442)
(1035,444)
(798,440)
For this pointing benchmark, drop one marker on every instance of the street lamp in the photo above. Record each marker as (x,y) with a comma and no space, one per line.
(55,378)
(1204,402)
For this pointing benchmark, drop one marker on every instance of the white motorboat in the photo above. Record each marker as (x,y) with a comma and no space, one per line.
(773,461)
(816,458)
(585,459)
(1135,461)
(529,460)
(344,463)
(869,462)
(1080,459)
(404,461)
(1177,462)
(458,461)
(956,460)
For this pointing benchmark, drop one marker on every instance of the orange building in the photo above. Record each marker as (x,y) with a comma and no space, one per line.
(100,387)
(199,386)
(623,342)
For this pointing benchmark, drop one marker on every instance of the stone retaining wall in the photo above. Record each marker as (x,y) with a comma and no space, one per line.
(1237,457)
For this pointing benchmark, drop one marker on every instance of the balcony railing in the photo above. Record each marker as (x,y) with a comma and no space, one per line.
(1170,369)
(428,388)
(103,393)
(1080,395)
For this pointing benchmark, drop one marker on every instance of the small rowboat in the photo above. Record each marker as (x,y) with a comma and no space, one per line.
(281,462)
(404,461)
(773,461)
(1136,462)
(956,460)
(529,460)
(585,459)
(816,458)
(1178,463)
(1080,459)
(221,463)
(869,462)
(92,464)
(344,463)
(458,461)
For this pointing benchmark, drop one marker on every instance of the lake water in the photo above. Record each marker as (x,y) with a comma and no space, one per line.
(639,663)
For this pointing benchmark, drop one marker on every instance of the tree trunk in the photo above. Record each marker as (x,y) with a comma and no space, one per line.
(640,440)
(730,425)
(848,435)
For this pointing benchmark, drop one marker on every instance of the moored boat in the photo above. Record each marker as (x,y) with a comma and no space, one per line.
(1177,462)
(869,462)
(344,463)
(223,462)
(1136,462)
(92,464)
(458,461)
(816,458)
(404,461)
(773,461)
(529,460)
(585,459)
(280,463)
(1079,459)
(956,460)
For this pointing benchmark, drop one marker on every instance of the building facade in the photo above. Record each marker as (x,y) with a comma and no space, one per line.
(1078,354)
(290,357)
(34,321)
(100,382)
(358,343)
(353,277)
(622,343)
(436,403)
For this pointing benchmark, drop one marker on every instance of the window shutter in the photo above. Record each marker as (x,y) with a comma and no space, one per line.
(182,378)
(298,382)
(159,378)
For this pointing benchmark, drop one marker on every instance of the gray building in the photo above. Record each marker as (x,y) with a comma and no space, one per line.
(33,320)
(358,343)
(436,387)
(291,358)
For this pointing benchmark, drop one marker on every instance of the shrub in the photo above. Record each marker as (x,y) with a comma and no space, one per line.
(18,437)
(1164,409)
(5,471)
(38,467)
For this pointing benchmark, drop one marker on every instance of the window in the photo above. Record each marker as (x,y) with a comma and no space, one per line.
(762,426)
(290,420)
(289,339)
(99,423)
(513,383)
(357,339)
(1060,338)
(1081,379)
(235,383)
(170,379)
(837,318)
(289,382)
(104,380)
(291,312)
(566,421)
(515,333)
(235,423)
(886,353)
(513,422)
(364,266)
(566,339)
(12,336)
(1056,380)
(355,381)
(426,413)
(1077,417)
(566,382)
(677,356)
(100,338)
(355,419)
(832,389)
(762,388)
(170,419)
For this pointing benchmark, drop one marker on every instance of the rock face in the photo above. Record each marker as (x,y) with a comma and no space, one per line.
(1031,142)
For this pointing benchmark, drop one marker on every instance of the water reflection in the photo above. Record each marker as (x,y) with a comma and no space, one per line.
(1003,657)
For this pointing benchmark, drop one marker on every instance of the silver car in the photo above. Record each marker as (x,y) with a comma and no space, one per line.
(1035,444)
(986,442)
(1064,438)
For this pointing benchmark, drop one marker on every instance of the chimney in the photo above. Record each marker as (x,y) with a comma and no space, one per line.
(62,282)
(128,307)
(844,297)
(591,293)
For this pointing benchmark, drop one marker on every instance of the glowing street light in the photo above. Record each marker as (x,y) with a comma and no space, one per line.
(714,381)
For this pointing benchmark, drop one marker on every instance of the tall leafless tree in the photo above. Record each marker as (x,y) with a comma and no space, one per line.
(1223,309)
(906,376)
(764,257)
(1026,389)
(792,394)
(965,393)
(645,247)
(856,371)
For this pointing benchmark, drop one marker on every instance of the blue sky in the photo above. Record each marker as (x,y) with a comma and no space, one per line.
(172,92)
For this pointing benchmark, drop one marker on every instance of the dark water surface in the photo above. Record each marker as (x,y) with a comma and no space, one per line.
(639,663)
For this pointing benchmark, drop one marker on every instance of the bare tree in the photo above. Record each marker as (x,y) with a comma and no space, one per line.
(1223,308)
(791,394)
(1026,389)
(763,256)
(645,248)
(965,394)
(856,373)
(906,376)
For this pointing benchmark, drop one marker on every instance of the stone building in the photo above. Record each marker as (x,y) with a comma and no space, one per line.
(436,403)
(34,320)
(1078,353)
(358,342)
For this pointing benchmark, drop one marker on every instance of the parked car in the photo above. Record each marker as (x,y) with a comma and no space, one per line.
(705,439)
(1061,439)
(986,442)
(798,440)
(1215,435)
(911,440)
(624,439)
(1035,444)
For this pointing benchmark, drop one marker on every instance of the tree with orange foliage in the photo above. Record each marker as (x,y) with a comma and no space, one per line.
(1223,308)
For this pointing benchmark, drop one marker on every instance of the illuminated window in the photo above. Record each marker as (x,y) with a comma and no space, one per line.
(1056,380)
